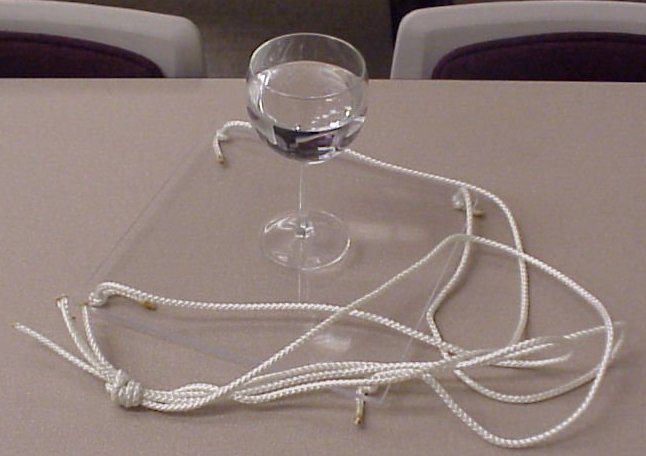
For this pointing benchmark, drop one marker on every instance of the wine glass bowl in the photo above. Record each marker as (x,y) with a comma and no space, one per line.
(306,97)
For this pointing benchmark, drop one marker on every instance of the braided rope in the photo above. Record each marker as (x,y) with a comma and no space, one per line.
(259,385)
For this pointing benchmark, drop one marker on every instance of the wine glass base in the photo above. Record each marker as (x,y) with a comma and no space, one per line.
(305,242)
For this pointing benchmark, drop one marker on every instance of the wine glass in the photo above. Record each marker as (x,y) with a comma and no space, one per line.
(306,97)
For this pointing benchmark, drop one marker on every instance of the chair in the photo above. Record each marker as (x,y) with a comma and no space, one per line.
(532,40)
(60,39)
(400,8)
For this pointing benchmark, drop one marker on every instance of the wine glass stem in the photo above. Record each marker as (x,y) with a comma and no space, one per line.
(304,227)
(301,189)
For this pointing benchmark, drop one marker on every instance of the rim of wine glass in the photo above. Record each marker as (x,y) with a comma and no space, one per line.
(360,79)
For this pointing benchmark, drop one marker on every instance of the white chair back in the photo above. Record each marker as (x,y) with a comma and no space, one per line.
(428,34)
(173,43)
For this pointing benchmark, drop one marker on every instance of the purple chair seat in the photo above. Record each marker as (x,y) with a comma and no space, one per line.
(557,57)
(29,55)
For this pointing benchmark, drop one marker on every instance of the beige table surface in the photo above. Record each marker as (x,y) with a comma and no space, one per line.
(80,159)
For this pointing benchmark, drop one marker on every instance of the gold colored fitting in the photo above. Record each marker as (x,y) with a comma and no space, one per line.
(149,305)
(477,212)
(360,411)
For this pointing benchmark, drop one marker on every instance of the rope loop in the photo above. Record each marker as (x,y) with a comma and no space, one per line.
(261,384)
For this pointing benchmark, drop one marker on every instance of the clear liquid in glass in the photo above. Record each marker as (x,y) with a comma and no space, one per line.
(307,110)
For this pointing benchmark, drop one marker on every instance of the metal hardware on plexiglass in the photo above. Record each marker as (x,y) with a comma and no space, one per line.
(258,385)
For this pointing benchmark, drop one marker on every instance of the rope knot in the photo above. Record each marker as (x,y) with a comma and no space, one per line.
(125,391)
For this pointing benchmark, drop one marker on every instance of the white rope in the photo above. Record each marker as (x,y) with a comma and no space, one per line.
(260,385)
(222,136)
